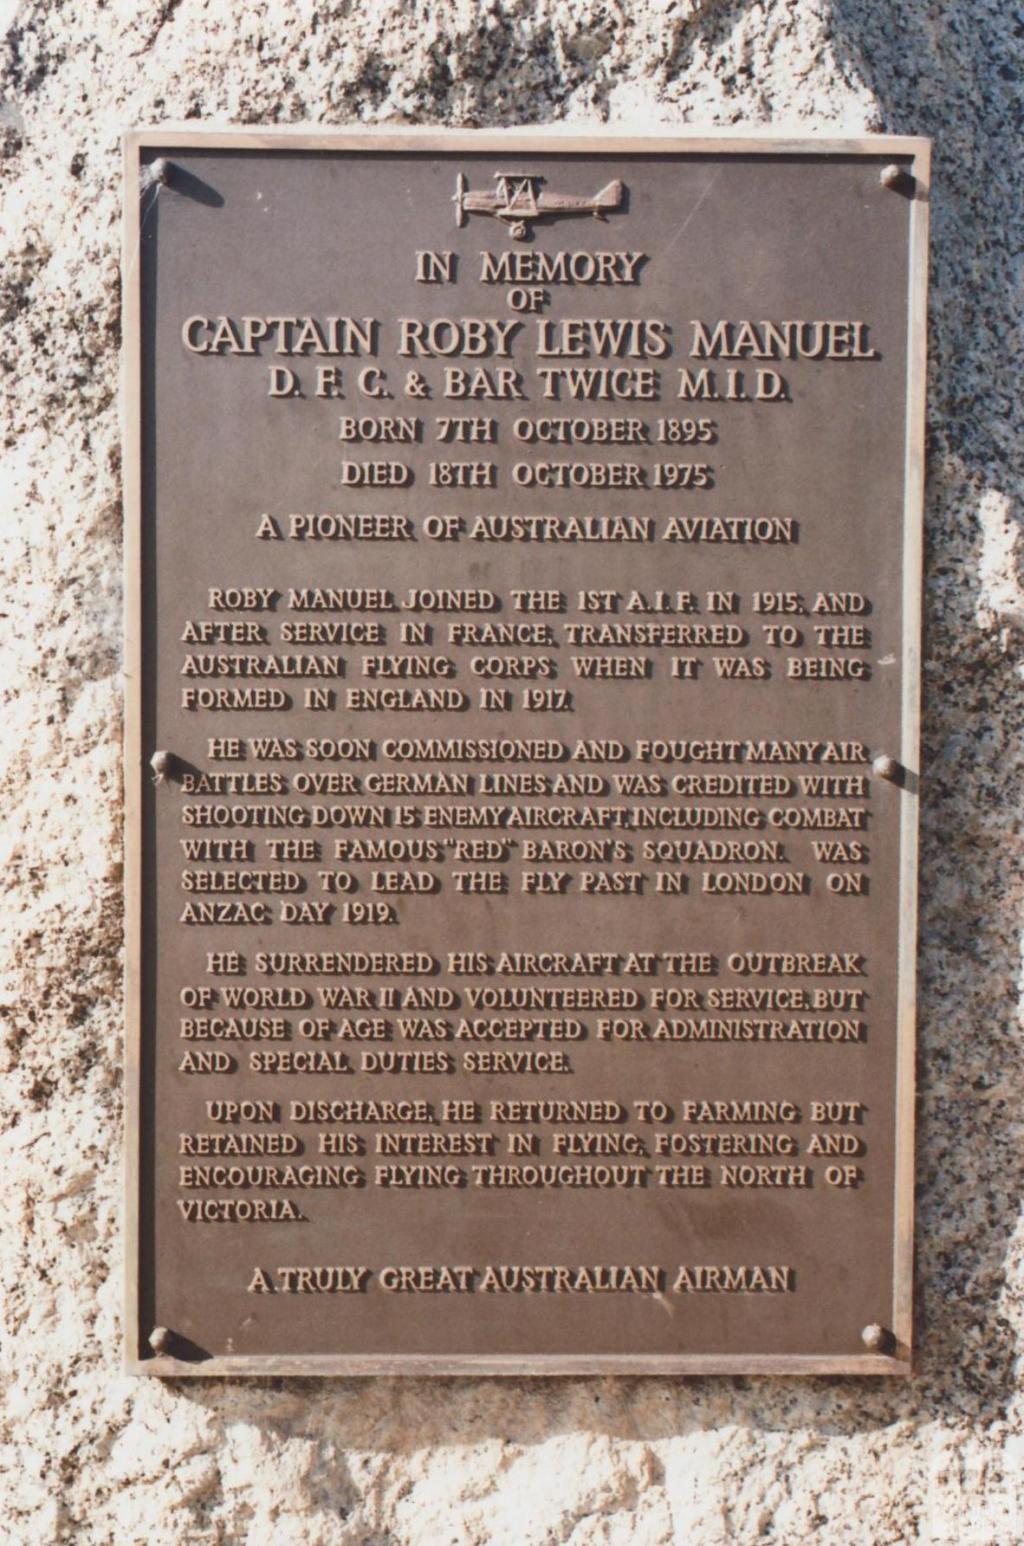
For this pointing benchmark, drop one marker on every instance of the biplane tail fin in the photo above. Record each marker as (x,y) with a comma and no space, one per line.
(610,197)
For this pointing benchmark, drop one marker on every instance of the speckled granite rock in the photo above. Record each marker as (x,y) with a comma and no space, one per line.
(93,1457)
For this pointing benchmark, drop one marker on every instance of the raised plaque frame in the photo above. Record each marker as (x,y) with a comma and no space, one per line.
(879,149)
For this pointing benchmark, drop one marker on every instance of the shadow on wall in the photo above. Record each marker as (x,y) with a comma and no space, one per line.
(942,70)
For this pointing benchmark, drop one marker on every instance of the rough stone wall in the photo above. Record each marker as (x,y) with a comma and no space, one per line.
(92,1456)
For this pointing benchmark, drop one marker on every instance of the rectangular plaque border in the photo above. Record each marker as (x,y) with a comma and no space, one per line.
(569,140)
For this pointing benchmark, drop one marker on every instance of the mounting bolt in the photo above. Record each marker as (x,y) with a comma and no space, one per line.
(875,1338)
(887,768)
(161,762)
(159,1340)
(895,177)
(156,175)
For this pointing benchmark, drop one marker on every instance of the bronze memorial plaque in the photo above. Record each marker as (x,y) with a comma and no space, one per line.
(523,570)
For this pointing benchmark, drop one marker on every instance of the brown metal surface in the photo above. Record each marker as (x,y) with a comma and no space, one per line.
(523,607)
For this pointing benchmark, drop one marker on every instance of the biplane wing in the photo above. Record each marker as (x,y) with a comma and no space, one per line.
(518,200)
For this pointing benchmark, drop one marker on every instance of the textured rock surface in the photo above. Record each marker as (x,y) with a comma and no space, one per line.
(90,1456)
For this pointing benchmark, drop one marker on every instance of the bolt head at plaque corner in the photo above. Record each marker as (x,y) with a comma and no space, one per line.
(875,1338)
(886,767)
(160,1340)
(895,177)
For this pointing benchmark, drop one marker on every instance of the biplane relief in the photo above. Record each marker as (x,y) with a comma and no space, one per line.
(518,201)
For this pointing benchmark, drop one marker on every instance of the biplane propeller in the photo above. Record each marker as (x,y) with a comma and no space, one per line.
(517,201)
